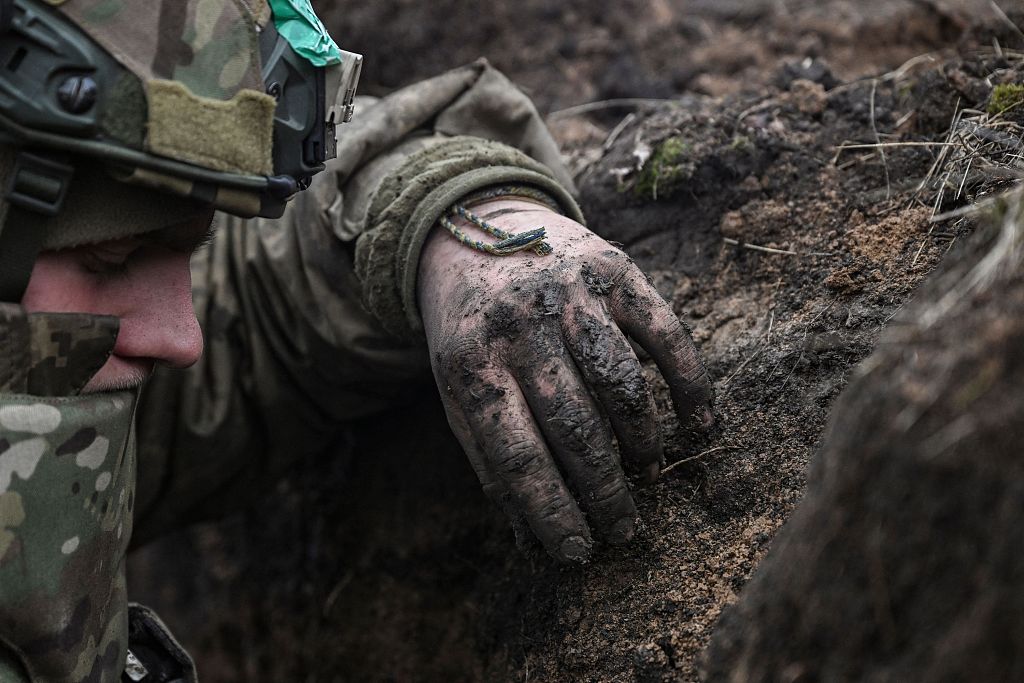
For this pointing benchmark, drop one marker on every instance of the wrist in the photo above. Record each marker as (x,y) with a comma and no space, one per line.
(445,260)
(515,215)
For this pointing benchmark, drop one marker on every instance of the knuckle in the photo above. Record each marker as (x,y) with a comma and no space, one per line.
(630,399)
(625,368)
(680,346)
(556,511)
(543,342)
(621,270)
(667,323)
(572,409)
(577,424)
(459,349)
(467,369)
(473,376)
(693,371)
(614,259)
(611,491)
(504,320)
(553,507)
(519,456)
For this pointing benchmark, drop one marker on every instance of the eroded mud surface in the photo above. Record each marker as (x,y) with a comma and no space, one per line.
(785,255)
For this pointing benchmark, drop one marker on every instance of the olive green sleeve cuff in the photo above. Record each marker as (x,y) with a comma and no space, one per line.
(408,204)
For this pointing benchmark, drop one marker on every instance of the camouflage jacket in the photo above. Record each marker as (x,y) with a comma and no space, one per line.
(295,347)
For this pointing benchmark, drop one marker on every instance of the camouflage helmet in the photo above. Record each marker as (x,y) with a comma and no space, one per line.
(118,117)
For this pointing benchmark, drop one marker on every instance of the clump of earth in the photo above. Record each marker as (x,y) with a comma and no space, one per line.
(765,186)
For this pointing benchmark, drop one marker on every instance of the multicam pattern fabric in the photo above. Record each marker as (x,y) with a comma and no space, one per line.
(67,489)
(52,354)
(199,64)
(15,351)
(67,350)
(208,45)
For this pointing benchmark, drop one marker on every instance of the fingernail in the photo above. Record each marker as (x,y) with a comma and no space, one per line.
(622,531)
(651,473)
(575,549)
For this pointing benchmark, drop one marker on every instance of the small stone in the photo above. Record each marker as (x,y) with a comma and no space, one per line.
(651,663)
(732,225)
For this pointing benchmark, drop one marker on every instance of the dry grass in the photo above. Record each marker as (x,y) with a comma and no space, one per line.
(980,157)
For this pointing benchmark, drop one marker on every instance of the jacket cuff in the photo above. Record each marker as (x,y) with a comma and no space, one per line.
(408,204)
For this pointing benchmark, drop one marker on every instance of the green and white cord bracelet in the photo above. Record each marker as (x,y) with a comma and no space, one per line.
(509,243)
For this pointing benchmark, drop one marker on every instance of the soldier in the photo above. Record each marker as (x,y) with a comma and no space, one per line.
(122,129)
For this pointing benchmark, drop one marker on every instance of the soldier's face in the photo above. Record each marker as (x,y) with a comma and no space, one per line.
(144,281)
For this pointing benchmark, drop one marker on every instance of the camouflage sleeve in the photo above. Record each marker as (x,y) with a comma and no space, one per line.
(292,353)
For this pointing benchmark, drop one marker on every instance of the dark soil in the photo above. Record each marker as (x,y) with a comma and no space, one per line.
(785,255)
(903,561)
(573,51)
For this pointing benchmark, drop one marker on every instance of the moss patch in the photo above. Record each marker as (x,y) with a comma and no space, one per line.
(665,171)
(1006,97)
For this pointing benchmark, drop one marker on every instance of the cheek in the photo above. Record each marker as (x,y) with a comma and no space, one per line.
(60,285)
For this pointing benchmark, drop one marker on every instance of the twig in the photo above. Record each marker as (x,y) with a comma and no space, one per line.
(963,182)
(617,131)
(852,162)
(772,250)
(756,247)
(892,76)
(905,68)
(903,119)
(605,104)
(767,104)
(897,144)
(677,463)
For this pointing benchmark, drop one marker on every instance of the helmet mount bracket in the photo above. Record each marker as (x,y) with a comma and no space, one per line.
(6,15)
(36,189)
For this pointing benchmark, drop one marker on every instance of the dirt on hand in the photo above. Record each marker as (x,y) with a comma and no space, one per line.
(762,207)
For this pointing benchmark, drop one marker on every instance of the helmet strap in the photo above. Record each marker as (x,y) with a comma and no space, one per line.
(36,190)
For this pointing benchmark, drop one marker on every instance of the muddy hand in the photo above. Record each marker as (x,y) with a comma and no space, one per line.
(537,375)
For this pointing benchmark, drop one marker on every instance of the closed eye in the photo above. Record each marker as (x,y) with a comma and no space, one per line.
(109,259)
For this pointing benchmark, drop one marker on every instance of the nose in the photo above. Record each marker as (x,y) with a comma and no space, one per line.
(158,320)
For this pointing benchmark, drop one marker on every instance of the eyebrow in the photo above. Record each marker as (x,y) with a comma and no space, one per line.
(206,237)
(172,237)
